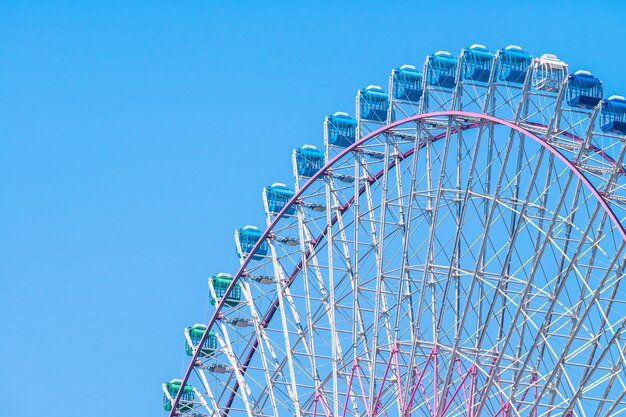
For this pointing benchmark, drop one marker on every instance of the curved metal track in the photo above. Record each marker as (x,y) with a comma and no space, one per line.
(294,201)
(478,276)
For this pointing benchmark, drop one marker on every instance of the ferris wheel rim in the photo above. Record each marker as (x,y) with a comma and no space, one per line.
(272,310)
(322,171)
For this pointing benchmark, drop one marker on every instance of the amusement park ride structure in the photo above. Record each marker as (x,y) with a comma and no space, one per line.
(455,249)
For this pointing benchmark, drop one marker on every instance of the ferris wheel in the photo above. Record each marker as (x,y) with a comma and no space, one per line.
(455,249)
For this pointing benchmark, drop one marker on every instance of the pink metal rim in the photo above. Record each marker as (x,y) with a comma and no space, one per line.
(416,118)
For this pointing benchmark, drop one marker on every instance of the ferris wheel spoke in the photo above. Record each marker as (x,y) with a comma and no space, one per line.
(318,316)
(534,268)
(337,351)
(489,211)
(245,390)
(538,239)
(305,240)
(344,254)
(575,398)
(480,255)
(596,302)
(540,338)
(280,291)
(428,277)
(572,259)
(405,273)
(262,345)
(285,298)
(571,216)
(557,110)
(454,267)
(380,291)
(403,292)
(354,269)
(608,390)
(618,168)
(208,390)
(614,405)
(503,342)
(595,342)
(361,171)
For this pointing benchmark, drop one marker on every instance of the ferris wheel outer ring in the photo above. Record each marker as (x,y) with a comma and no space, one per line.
(416,118)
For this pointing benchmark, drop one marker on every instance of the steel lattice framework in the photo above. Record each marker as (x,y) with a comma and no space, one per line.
(463,257)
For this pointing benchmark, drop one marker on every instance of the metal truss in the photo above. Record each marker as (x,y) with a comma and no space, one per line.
(462,258)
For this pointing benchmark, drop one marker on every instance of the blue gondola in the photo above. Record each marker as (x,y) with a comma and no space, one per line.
(276,197)
(407,84)
(513,64)
(308,160)
(373,104)
(583,90)
(246,238)
(614,115)
(549,73)
(340,129)
(477,62)
(441,70)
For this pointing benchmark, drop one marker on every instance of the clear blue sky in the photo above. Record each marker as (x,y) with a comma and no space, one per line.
(136,136)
